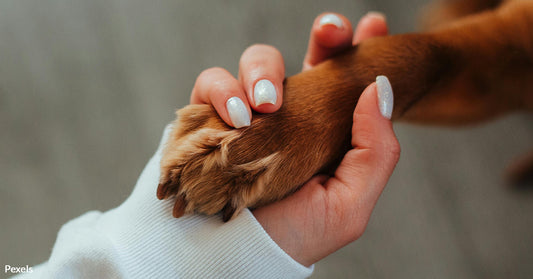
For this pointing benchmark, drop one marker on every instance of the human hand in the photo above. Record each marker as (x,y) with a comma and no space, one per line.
(334,211)
(328,213)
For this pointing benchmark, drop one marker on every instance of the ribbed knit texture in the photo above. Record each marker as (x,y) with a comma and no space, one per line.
(141,239)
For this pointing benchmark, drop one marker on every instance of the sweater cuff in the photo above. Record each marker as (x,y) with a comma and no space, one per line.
(153,244)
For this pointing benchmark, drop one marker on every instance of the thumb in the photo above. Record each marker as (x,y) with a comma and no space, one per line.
(365,170)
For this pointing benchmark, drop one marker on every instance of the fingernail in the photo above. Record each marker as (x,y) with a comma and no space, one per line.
(330,19)
(265,93)
(385,96)
(375,14)
(237,112)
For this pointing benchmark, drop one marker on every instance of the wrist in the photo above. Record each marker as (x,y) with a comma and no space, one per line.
(284,234)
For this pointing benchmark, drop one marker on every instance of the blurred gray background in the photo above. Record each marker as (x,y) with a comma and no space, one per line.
(86,88)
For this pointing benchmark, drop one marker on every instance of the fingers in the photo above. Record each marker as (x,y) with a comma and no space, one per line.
(261,71)
(260,87)
(219,88)
(371,25)
(330,34)
(365,170)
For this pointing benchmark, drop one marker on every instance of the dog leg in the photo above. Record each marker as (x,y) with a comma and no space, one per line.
(441,12)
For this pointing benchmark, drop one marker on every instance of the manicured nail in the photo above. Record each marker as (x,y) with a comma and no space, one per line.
(385,96)
(265,93)
(237,112)
(332,19)
(379,15)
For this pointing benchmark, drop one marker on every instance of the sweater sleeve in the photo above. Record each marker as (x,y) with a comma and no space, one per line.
(141,239)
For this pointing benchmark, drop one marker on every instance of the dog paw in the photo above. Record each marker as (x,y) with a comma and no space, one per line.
(207,169)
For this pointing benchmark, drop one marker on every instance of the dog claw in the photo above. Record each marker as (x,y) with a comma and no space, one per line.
(162,191)
(228,212)
(166,190)
(179,206)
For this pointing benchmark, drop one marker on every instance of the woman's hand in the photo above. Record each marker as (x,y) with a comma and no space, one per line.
(327,213)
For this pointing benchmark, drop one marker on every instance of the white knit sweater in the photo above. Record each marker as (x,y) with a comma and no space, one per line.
(141,239)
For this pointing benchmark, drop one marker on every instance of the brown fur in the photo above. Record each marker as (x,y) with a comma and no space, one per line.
(467,71)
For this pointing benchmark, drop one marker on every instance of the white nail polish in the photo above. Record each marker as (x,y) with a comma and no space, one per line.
(330,19)
(375,14)
(237,112)
(385,96)
(265,93)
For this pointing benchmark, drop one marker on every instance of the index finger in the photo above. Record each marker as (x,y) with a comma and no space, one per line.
(330,34)
(373,24)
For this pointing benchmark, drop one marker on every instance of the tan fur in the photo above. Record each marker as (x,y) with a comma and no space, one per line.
(467,71)
(197,155)
(444,11)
